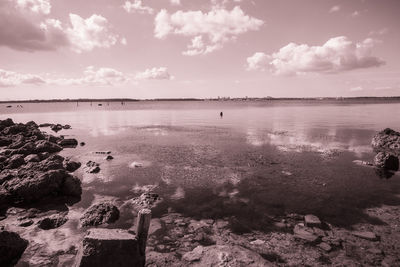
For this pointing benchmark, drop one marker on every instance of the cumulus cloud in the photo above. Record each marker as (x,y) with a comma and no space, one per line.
(32,32)
(334,9)
(355,89)
(154,74)
(175,2)
(36,6)
(137,7)
(11,78)
(209,31)
(336,55)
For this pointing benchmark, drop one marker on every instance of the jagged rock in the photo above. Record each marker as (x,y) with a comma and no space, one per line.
(99,244)
(109,157)
(366,235)
(32,158)
(386,161)
(71,166)
(69,142)
(53,221)
(46,146)
(100,214)
(11,248)
(227,255)
(56,127)
(147,200)
(6,123)
(4,141)
(15,161)
(92,167)
(312,220)
(66,126)
(387,140)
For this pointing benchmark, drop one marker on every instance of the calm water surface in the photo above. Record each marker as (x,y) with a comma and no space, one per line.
(262,159)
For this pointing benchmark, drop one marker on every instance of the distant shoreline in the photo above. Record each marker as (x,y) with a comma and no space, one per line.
(389,98)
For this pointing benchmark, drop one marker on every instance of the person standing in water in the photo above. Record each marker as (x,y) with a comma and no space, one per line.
(221,114)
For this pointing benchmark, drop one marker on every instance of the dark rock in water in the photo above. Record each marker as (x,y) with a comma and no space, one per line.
(46,146)
(99,214)
(312,220)
(45,124)
(72,186)
(70,142)
(11,248)
(387,140)
(6,123)
(82,143)
(32,158)
(92,167)
(66,126)
(56,127)
(386,161)
(99,244)
(109,157)
(71,166)
(53,221)
(383,173)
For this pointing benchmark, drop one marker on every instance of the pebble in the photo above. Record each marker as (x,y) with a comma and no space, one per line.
(325,246)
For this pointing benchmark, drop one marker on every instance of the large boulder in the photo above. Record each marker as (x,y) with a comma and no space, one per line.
(71,165)
(100,214)
(11,248)
(387,140)
(386,161)
(53,221)
(109,248)
(15,161)
(6,123)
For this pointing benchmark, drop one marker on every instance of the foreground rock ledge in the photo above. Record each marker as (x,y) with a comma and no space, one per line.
(109,248)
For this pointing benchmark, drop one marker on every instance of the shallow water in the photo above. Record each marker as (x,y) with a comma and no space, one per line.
(260,160)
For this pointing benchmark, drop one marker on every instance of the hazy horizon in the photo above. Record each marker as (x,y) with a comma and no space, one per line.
(154,49)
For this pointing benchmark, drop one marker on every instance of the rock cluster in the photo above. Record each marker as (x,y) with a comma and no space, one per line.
(29,168)
(55,127)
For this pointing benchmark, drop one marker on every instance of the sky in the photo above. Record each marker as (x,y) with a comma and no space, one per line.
(198,49)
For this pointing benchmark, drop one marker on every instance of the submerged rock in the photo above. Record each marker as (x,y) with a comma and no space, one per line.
(68,142)
(71,166)
(53,221)
(386,161)
(11,248)
(100,214)
(108,248)
(387,140)
(92,167)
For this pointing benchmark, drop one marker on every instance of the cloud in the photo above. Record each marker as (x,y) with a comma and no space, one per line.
(34,32)
(175,2)
(209,31)
(137,7)
(355,89)
(336,55)
(36,6)
(10,78)
(334,9)
(382,31)
(154,74)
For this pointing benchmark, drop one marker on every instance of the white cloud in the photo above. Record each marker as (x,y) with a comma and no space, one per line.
(154,74)
(175,2)
(336,55)
(11,78)
(334,9)
(355,14)
(355,89)
(137,6)
(209,31)
(36,6)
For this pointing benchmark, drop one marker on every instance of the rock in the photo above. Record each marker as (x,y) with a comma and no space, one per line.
(15,161)
(71,166)
(32,158)
(56,127)
(257,242)
(304,233)
(82,143)
(365,235)
(66,126)
(6,123)
(69,142)
(109,157)
(100,214)
(45,125)
(325,246)
(4,141)
(223,255)
(46,146)
(53,221)
(11,248)
(92,167)
(146,200)
(136,165)
(99,244)
(72,186)
(155,225)
(386,161)
(26,223)
(312,220)
(387,140)
(43,155)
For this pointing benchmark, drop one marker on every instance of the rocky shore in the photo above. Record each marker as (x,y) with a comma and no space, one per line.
(37,187)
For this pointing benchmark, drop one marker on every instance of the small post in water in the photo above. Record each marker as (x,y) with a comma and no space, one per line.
(142,228)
